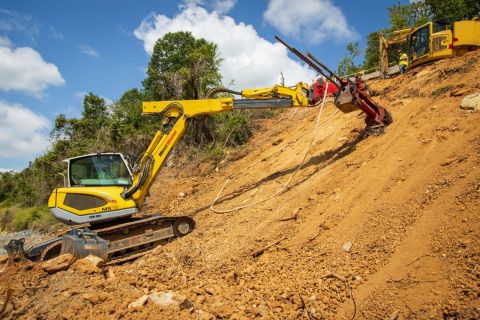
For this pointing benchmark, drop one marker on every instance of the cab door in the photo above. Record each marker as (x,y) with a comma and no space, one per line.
(419,44)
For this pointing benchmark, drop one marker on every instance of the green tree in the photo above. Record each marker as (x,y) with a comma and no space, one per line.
(347,65)
(454,10)
(128,109)
(95,109)
(372,56)
(7,183)
(181,67)
(402,16)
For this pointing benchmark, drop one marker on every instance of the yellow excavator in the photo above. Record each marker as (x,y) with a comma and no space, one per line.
(103,192)
(432,41)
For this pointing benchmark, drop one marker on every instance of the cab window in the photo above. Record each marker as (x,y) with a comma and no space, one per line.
(439,26)
(99,170)
(420,41)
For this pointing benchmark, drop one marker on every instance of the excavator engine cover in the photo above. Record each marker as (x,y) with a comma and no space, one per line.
(345,101)
(82,242)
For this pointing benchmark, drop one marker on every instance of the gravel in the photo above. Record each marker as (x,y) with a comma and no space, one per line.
(31,237)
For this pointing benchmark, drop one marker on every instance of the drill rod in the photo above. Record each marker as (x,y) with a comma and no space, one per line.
(307,61)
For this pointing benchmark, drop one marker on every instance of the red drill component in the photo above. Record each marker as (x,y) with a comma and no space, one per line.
(350,96)
(317,90)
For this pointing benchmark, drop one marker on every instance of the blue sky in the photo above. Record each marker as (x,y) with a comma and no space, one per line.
(53,52)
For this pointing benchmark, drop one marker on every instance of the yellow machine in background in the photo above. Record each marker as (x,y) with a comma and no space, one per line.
(432,41)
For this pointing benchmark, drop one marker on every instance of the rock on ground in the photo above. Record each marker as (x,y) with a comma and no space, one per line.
(139,302)
(60,263)
(471,102)
(90,264)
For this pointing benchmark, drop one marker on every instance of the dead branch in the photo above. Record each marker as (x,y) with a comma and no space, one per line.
(294,217)
(347,284)
(394,315)
(262,250)
(7,299)
(422,256)
(353,301)
(320,228)
(334,275)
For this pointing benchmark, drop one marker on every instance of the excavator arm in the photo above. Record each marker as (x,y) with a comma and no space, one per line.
(395,37)
(176,115)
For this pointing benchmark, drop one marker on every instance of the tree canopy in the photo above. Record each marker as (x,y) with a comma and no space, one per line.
(181,67)
(347,65)
(454,10)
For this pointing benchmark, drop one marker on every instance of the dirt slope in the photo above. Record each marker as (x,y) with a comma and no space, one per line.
(370,227)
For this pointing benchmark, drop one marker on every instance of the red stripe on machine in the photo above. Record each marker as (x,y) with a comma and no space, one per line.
(171,138)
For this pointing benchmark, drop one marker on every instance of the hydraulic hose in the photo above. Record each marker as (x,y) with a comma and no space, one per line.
(216,90)
(147,168)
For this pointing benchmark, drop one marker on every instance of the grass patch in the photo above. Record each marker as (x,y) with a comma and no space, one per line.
(448,72)
(35,218)
(214,153)
(441,91)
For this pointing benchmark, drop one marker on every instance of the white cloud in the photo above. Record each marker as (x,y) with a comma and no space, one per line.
(12,21)
(221,6)
(108,101)
(56,34)
(224,6)
(6,170)
(89,51)
(248,59)
(23,133)
(5,42)
(80,95)
(313,20)
(23,69)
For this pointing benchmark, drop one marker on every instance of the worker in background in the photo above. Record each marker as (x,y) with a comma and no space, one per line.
(403,61)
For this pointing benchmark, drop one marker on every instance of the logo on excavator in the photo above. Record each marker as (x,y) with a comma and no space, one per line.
(167,143)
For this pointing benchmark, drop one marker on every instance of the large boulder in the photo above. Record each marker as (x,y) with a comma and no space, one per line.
(60,263)
(163,299)
(89,265)
(471,102)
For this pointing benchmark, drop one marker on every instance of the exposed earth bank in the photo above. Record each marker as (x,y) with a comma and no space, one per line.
(372,227)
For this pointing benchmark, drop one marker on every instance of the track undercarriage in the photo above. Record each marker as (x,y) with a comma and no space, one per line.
(115,243)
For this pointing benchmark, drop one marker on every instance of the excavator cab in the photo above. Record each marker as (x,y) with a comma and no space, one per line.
(101,169)
(93,190)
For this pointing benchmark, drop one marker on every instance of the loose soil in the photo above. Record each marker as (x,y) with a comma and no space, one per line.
(373,227)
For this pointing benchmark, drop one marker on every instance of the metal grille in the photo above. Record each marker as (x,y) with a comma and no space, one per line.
(437,43)
(83,201)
